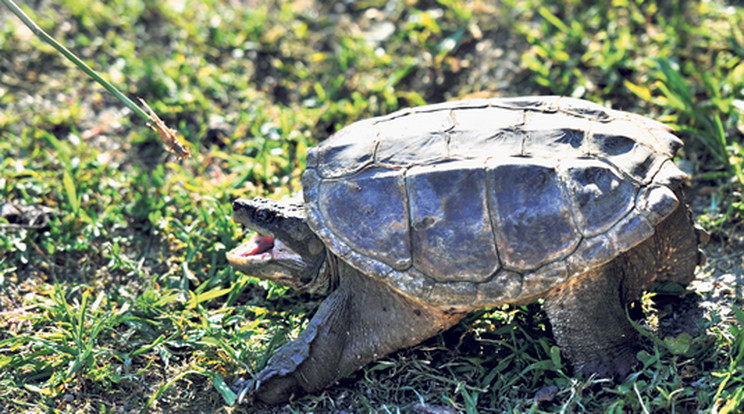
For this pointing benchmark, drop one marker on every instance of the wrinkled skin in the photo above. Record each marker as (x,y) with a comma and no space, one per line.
(363,319)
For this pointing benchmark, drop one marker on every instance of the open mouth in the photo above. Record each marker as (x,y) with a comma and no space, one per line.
(257,249)
(261,248)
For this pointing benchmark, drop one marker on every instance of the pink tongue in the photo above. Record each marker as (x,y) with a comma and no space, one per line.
(263,244)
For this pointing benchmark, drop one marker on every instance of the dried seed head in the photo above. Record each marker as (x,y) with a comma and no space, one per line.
(167,135)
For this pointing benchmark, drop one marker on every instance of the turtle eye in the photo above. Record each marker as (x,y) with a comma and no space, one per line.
(263,216)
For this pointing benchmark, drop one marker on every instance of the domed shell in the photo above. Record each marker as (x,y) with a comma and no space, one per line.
(477,203)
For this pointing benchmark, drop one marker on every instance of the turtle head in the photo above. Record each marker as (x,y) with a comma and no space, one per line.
(284,249)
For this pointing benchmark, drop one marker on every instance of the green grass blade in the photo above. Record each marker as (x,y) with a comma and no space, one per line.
(206,296)
(167,385)
(552,19)
(227,393)
(71,192)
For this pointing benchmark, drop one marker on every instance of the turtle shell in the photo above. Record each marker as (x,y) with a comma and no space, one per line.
(482,202)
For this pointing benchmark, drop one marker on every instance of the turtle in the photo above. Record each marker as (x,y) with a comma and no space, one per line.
(409,221)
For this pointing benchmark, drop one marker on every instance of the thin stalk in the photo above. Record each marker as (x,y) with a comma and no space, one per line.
(167,135)
(71,56)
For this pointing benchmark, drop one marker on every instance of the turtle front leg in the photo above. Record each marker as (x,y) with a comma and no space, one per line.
(362,320)
(589,323)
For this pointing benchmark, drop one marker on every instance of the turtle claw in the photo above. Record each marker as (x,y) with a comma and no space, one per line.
(245,388)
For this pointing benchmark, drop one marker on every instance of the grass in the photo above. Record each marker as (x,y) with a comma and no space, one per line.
(123,301)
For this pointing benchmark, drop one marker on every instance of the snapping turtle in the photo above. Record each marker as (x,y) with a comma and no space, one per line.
(411,220)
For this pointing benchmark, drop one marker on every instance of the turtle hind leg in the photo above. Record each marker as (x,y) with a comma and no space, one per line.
(362,320)
(589,323)
(588,312)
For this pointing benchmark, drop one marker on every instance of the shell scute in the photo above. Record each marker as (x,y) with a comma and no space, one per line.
(484,130)
(449,216)
(504,287)
(601,196)
(585,109)
(369,212)
(452,294)
(532,103)
(656,202)
(532,221)
(541,280)
(352,150)
(592,252)
(418,137)
(628,146)
(630,231)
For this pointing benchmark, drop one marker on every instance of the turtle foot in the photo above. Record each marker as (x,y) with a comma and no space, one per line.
(272,391)
(616,363)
